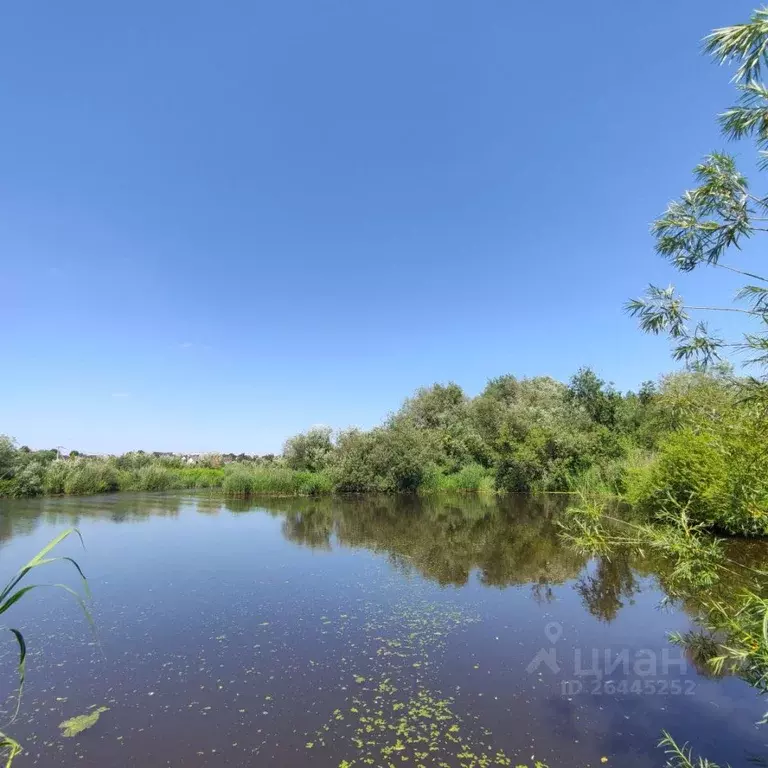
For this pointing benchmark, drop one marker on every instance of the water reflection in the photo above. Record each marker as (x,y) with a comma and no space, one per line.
(510,541)
(22,517)
(506,542)
(609,586)
(217,616)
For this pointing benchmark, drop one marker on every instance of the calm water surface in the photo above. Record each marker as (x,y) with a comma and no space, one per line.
(375,631)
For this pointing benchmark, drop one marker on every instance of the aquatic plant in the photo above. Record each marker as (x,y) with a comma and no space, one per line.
(682,757)
(14,591)
(393,715)
(73,726)
(10,748)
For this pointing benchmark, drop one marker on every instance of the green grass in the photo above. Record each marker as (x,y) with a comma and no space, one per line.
(83,477)
(93,476)
(472,478)
(200,477)
(238,482)
(242,480)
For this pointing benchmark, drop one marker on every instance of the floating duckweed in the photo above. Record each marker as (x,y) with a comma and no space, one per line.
(397,718)
(78,724)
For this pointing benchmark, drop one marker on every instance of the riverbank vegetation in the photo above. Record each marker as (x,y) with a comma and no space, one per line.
(726,596)
(712,475)
(694,438)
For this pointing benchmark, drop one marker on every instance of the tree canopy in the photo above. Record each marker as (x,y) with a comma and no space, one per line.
(710,223)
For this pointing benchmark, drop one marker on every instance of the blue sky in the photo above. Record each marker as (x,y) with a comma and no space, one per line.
(221,223)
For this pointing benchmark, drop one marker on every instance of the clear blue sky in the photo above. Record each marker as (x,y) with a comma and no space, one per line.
(223,222)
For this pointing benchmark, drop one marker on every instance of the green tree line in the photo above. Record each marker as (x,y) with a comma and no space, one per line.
(692,437)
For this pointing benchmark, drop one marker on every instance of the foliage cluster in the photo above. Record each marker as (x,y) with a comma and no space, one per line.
(517,435)
(712,458)
(694,439)
(35,473)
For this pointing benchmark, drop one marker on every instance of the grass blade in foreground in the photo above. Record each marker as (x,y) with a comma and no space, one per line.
(10,595)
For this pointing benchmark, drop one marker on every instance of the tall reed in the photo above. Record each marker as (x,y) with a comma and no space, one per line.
(14,591)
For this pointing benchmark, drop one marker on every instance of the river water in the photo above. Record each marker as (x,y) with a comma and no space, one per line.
(357,631)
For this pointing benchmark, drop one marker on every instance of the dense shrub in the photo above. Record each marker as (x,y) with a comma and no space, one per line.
(30,480)
(238,481)
(472,477)
(316,484)
(353,469)
(88,477)
(395,458)
(513,476)
(310,451)
(155,477)
(56,477)
(8,458)
(715,467)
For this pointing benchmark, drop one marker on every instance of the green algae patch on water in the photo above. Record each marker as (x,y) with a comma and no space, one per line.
(395,717)
(75,725)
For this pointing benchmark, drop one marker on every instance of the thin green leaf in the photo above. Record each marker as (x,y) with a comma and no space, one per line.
(12,747)
(40,559)
(16,596)
(22,669)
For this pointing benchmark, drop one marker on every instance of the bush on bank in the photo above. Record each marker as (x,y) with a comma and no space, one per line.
(692,440)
